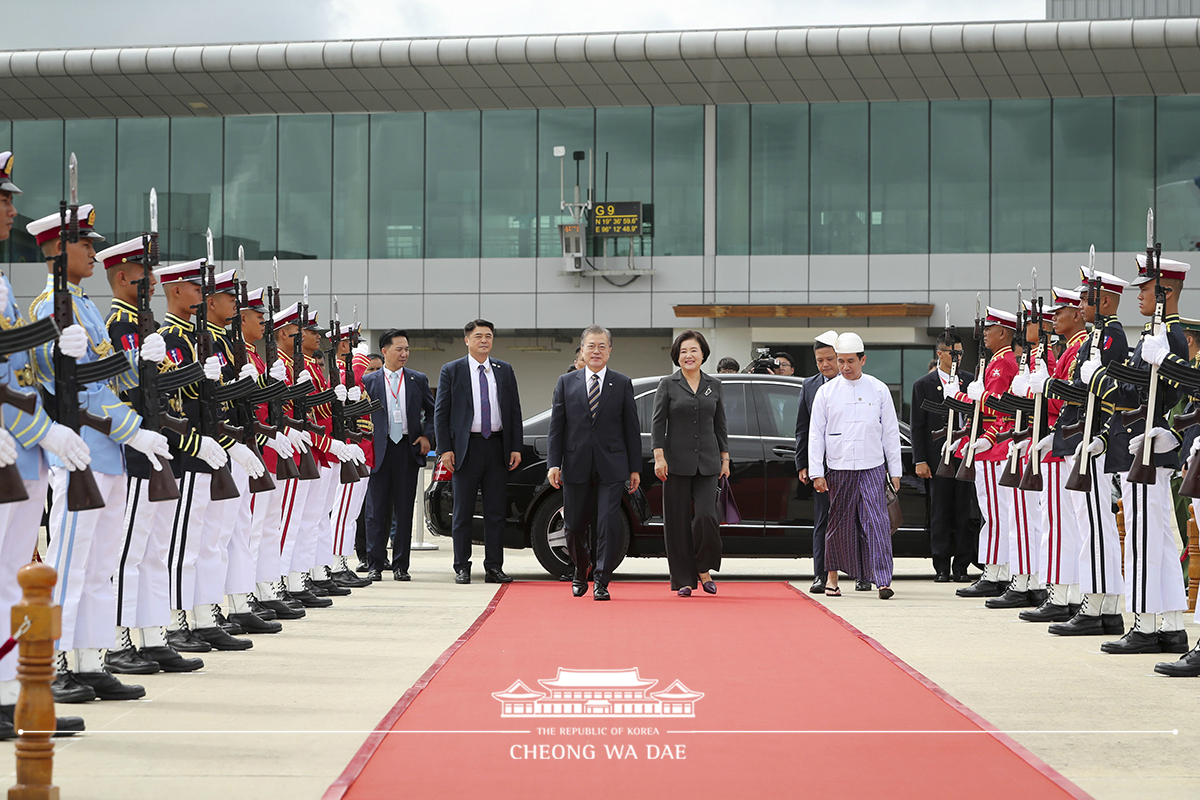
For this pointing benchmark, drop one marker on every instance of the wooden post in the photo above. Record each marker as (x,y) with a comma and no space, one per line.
(1193,557)
(34,718)
(1121,531)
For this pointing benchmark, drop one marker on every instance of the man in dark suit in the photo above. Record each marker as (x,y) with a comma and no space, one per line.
(595,446)
(403,435)
(953,539)
(478,420)
(826,369)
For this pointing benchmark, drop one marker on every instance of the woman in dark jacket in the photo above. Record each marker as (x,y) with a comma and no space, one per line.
(689,440)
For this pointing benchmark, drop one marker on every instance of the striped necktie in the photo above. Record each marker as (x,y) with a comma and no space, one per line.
(594,395)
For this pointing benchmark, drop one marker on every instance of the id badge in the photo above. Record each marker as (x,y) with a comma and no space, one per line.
(397,416)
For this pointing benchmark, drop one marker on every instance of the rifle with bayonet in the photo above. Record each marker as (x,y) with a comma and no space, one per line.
(1078,480)
(341,431)
(966,470)
(1031,480)
(1012,468)
(15,340)
(212,422)
(244,407)
(285,468)
(1142,469)
(302,406)
(945,467)
(364,407)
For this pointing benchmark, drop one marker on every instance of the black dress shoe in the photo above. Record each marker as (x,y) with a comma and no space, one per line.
(332,588)
(462,576)
(496,575)
(982,588)
(862,585)
(600,591)
(1186,667)
(282,610)
(960,577)
(1074,608)
(1038,596)
(310,600)
(401,575)
(170,661)
(1133,642)
(63,726)
(1173,641)
(349,580)
(579,583)
(184,641)
(259,610)
(220,640)
(289,599)
(818,586)
(128,661)
(108,687)
(229,626)
(1046,612)
(311,587)
(1010,599)
(942,577)
(362,567)
(1080,625)
(67,689)
(1114,624)
(374,575)
(252,623)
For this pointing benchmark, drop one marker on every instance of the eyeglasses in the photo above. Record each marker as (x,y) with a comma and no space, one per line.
(596,348)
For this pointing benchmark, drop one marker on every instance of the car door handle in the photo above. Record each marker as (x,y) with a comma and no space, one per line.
(784,450)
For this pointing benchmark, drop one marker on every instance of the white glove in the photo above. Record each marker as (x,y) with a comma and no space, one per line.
(952,388)
(67,445)
(299,439)
(8,447)
(1020,384)
(212,368)
(354,395)
(279,370)
(356,454)
(1163,440)
(340,390)
(339,450)
(1045,444)
(982,446)
(1088,370)
(975,390)
(1095,446)
(248,371)
(3,296)
(244,457)
(154,349)
(1195,449)
(1021,447)
(73,341)
(1155,349)
(1037,381)
(212,453)
(303,376)
(281,445)
(154,445)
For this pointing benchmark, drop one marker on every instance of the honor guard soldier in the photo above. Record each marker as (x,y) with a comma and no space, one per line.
(349,500)
(995,502)
(1153,585)
(23,438)
(1099,563)
(85,545)
(141,578)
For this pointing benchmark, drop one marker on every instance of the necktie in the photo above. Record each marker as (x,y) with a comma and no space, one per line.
(395,433)
(485,405)
(594,395)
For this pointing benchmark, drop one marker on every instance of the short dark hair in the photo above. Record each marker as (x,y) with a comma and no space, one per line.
(948,339)
(818,346)
(375,356)
(695,336)
(729,364)
(478,323)
(785,354)
(386,337)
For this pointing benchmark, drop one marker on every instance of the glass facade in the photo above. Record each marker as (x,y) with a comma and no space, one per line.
(1003,176)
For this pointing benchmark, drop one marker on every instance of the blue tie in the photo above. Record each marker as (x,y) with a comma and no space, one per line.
(485,405)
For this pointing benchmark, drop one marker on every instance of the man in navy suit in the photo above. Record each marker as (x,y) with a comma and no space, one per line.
(479,437)
(403,435)
(826,370)
(595,447)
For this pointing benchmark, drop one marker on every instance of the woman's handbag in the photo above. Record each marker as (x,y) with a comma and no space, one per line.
(727,510)
(895,515)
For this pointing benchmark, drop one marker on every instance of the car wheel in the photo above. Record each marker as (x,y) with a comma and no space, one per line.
(549,542)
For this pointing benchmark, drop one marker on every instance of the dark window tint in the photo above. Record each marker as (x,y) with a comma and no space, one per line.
(645,410)
(739,416)
(777,406)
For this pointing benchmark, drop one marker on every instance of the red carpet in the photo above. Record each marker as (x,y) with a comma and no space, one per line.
(758,691)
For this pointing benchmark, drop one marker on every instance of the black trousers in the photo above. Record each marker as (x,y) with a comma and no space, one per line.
(690,527)
(392,490)
(953,539)
(484,469)
(820,525)
(360,535)
(584,503)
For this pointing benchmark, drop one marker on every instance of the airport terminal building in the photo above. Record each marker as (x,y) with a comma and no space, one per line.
(790,180)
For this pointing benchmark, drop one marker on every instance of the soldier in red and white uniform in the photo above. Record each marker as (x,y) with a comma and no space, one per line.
(349,499)
(995,502)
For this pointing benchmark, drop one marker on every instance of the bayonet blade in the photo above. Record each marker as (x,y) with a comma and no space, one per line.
(241,263)
(1091,261)
(337,323)
(275,271)
(153,210)
(305,290)
(1149,228)
(73,172)
(947,316)
(208,240)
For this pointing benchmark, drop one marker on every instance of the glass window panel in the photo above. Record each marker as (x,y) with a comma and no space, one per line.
(351,158)
(143,163)
(452,184)
(509,184)
(779,180)
(305,186)
(839,178)
(196,186)
(1021,176)
(733,180)
(1083,174)
(960,146)
(94,143)
(679,181)
(40,169)
(623,164)
(397,185)
(1133,157)
(900,177)
(251,190)
(1177,201)
(573,129)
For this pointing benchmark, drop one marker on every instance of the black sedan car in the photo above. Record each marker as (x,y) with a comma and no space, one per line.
(777,510)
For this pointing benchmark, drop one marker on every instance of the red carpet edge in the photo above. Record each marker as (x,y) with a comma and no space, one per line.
(337,790)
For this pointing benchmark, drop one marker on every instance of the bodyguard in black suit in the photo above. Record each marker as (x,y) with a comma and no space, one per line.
(826,370)
(403,435)
(953,539)
(595,447)
(477,417)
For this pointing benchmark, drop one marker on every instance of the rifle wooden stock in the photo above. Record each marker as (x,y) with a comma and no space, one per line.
(232,431)
(1070,431)
(99,424)
(223,486)
(349,473)
(1184,421)
(1031,480)
(1190,487)
(12,485)
(179,426)
(263,483)
(22,401)
(262,429)
(1130,417)
(938,434)
(1139,472)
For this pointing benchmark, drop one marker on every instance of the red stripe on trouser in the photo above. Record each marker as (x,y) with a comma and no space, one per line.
(287,511)
(993,544)
(1056,519)
(1019,531)
(343,510)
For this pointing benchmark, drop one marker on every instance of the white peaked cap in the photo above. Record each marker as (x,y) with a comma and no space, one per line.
(848,343)
(828,338)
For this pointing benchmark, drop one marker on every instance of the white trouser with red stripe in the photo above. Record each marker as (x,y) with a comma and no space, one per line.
(318,514)
(995,504)
(243,544)
(19,523)
(1028,529)
(346,508)
(1059,555)
(266,509)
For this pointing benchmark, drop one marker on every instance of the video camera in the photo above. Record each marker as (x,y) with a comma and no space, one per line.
(762,362)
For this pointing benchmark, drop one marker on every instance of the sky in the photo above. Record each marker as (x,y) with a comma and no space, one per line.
(121,23)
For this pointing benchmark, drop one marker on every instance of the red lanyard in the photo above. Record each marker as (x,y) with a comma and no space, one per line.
(400,382)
